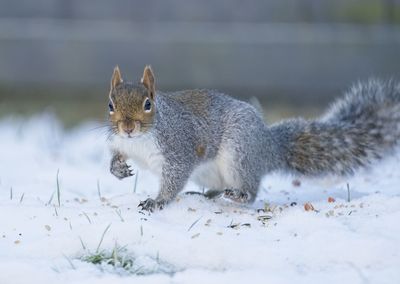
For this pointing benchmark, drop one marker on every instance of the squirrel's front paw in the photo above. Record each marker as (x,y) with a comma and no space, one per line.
(151,205)
(120,168)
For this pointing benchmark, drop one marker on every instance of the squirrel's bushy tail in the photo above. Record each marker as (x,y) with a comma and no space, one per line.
(360,128)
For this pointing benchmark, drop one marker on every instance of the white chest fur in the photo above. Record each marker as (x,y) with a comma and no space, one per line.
(143,150)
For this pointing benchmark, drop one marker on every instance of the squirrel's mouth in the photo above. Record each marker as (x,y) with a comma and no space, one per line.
(129,129)
(130,135)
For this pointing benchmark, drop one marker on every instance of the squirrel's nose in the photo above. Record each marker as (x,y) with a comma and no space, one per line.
(129,126)
(128,130)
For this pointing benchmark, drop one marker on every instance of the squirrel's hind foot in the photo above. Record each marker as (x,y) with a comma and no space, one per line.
(237,195)
(213,193)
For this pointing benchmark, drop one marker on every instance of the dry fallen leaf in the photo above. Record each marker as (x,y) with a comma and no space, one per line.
(308,207)
(17,242)
(48,228)
(331,199)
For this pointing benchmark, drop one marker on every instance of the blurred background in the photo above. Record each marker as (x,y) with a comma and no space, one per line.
(293,55)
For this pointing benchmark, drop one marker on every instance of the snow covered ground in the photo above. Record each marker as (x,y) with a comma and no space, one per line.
(193,240)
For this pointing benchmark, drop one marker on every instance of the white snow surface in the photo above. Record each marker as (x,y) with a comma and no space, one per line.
(199,240)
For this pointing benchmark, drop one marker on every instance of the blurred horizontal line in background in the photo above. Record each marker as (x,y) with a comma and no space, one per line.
(251,33)
(283,59)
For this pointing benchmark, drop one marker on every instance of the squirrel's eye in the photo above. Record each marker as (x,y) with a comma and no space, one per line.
(147,105)
(110,107)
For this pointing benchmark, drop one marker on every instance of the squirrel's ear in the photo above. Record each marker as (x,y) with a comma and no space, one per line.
(116,78)
(148,81)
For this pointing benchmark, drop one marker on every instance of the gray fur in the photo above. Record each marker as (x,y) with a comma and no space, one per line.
(241,148)
(226,123)
(357,129)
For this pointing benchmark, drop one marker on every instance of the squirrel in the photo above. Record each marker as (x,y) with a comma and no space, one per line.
(224,145)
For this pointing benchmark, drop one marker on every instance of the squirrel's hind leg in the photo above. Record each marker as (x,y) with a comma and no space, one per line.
(241,182)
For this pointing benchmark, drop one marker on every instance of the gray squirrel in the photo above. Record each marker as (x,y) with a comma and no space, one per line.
(224,145)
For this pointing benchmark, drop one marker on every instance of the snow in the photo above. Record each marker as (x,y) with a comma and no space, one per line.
(193,240)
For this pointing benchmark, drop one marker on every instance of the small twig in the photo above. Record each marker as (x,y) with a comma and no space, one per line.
(70,262)
(55,269)
(233,225)
(83,245)
(98,189)
(118,211)
(55,210)
(22,197)
(11,193)
(102,237)
(264,218)
(194,223)
(58,189)
(87,216)
(141,230)
(51,198)
(348,192)
(136,180)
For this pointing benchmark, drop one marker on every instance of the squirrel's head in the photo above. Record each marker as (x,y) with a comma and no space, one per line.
(131,106)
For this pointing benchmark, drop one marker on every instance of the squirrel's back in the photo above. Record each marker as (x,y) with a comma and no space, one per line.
(204,116)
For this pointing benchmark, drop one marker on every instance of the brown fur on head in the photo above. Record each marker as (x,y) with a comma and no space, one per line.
(132,107)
